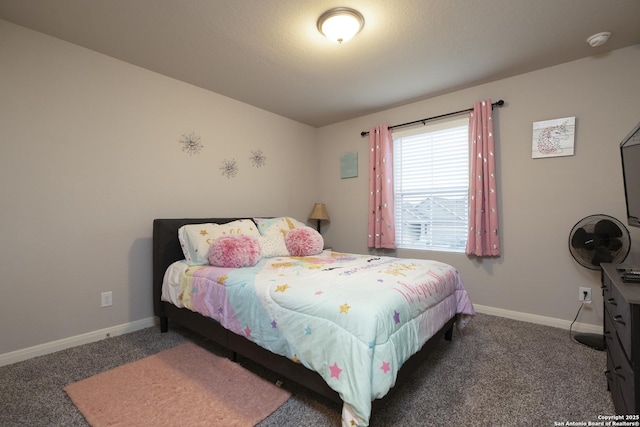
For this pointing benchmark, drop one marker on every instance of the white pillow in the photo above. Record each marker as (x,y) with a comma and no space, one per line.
(274,231)
(195,239)
(273,246)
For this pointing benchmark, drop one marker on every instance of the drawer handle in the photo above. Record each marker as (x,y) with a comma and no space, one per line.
(616,372)
(607,334)
(618,319)
(612,301)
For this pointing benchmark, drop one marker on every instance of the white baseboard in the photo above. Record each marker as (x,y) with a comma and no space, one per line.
(53,346)
(540,320)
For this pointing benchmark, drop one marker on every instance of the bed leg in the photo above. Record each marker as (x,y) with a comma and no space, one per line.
(164,324)
(448,335)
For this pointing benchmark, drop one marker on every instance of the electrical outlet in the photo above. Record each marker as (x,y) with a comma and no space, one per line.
(584,294)
(106,298)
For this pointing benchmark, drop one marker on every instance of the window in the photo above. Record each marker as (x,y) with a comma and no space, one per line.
(431,186)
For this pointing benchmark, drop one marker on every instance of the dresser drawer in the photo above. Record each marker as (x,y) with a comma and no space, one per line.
(620,373)
(610,332)
(620,312)
(622,337)
(613,384)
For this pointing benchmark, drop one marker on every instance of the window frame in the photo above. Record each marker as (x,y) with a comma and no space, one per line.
(456,198)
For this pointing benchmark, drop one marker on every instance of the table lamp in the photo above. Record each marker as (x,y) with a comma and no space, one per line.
(319,213)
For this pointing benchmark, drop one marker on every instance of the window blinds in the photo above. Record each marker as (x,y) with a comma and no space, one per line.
(431,186)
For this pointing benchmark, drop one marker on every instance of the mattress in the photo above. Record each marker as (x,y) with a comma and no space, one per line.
(354,319)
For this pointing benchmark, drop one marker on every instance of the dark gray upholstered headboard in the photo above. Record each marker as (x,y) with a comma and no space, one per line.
(167,250)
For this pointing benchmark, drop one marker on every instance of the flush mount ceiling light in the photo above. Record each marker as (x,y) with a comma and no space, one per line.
(598,39)
(340,24)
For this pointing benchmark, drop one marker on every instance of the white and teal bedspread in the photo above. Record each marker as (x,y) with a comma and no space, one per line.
(354,319)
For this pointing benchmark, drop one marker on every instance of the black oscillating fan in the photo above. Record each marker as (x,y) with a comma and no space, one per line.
(592,241)
(597,239)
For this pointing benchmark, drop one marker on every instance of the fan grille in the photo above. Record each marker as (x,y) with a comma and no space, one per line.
(599,239)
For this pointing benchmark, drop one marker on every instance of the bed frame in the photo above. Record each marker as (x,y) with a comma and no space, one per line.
(166,250)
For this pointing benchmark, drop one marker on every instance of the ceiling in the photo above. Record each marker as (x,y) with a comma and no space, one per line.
(269,53)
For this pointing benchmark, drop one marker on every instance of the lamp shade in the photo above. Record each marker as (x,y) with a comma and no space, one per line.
(319,212)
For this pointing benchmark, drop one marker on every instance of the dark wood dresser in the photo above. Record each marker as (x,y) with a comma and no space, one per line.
(622,337)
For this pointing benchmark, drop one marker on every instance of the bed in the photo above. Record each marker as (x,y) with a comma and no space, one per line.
(347,326)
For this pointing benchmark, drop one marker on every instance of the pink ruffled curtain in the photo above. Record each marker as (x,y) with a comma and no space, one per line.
(381,231)
(483,239)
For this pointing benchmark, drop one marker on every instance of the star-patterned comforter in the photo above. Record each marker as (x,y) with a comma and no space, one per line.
(354,319)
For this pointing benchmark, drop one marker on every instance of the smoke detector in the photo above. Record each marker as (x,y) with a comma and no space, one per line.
(598,39)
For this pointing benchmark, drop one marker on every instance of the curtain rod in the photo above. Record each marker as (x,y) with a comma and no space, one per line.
(499,103)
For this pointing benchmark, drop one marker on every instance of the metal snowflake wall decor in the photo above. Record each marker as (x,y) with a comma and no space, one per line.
(258,158)
(229,168)
(191,143)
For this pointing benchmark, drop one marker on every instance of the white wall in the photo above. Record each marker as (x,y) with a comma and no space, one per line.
(540,199)
(90,155)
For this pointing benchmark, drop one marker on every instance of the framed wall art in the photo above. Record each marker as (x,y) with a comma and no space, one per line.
(553,138)
(349,165)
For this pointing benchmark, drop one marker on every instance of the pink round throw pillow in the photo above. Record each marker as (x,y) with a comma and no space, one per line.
(235,251)
(304,242)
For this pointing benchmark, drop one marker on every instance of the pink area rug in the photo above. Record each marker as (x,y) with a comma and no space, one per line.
(183,386)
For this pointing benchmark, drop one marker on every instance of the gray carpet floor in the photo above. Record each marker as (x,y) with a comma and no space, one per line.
(496,372)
